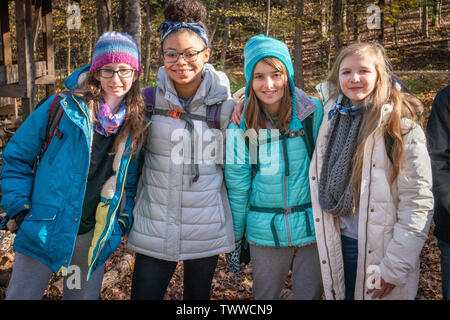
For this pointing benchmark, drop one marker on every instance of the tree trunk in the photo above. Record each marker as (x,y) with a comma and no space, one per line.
(148,32)
(298,50)
(69,47)
(355,22)
(436,21)
(381,4)
(104,16)
(267,18)
(69,51)
(396,33)
(124,15)
(324,18)
(226,36)
(337,23)
(134,14)
(425,31)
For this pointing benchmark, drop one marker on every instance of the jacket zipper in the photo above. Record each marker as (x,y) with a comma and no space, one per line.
(111,219)
(286,210)
(89,152)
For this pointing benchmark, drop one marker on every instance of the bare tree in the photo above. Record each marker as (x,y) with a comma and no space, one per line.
(104,16)
(424,19)
(148,33)
(337,18)
(134,22)
(267,18)
(298,49)
(226,36)
(381,4)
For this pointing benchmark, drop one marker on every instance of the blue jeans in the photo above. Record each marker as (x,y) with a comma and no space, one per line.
(445,268)
(350,256)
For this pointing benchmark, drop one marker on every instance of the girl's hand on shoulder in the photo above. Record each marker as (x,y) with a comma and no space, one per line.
(236,115)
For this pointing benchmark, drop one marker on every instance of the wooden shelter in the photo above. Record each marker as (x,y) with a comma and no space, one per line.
(19,76)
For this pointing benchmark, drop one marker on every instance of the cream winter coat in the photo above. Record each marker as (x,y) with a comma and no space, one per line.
(392,226)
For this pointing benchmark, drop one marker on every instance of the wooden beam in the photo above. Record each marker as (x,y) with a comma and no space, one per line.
(10,74)
(13,90)
(25,56)
(45,80)
(47,36)
(6,33)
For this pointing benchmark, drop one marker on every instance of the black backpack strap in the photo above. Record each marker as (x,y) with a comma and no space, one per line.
(54,118)
(213,116)
(308,138)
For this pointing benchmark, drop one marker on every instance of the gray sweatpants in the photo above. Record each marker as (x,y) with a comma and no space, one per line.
(271,267)
(30,277)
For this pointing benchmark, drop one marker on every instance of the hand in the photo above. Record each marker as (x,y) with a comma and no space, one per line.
(383,291)
(14,224)
(236,116)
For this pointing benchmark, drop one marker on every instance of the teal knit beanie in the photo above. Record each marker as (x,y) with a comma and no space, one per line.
(259,47)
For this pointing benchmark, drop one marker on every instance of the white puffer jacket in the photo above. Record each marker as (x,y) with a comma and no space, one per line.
(392,226)
(174,219)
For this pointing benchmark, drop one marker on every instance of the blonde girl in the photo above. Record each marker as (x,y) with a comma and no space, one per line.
(370,180)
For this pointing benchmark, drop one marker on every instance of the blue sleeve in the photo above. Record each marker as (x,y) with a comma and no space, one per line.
(18,160)
(238,178)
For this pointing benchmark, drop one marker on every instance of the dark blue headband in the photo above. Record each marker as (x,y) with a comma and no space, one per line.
(168,27)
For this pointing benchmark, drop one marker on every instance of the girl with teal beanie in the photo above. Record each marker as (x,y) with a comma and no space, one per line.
(267,162)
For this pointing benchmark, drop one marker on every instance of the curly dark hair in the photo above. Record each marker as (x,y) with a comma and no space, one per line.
(185,10)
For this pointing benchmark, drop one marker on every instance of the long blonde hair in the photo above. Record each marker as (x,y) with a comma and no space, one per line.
(254,116)
(404,104)
(134,122)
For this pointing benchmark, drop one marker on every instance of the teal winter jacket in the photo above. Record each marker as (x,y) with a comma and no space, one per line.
(270,197)
(54,197)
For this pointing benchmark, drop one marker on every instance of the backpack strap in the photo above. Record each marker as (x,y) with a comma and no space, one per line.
(213,116)
(308,138)
(149,99)
(54,118)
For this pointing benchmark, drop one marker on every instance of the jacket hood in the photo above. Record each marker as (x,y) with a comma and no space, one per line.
(214,88)
(259,47)
(74,80)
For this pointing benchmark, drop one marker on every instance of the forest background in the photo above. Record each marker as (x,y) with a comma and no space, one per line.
(415,33)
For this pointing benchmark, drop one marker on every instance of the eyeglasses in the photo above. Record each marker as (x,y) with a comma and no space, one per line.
(171,56)
(122,73)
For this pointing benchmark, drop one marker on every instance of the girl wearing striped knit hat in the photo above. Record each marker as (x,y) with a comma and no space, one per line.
(71,210)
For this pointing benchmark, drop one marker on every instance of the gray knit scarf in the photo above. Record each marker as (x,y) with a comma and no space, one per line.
(335,186)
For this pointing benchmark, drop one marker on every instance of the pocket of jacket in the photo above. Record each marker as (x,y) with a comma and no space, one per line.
(41,212)
(39,227)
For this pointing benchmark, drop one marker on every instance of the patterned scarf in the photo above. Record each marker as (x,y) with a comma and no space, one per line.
(335,186)
(109,123)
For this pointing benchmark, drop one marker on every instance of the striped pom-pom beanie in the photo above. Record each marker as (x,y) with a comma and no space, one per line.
(115,47)
(259,47)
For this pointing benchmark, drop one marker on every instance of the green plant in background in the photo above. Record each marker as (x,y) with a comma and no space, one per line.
(235,84)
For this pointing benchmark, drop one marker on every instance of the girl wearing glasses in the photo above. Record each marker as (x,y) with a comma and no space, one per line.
(182,211)
(72,211)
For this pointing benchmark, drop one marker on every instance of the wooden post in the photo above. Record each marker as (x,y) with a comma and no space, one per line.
(47,35)
(25,56)
(6,33)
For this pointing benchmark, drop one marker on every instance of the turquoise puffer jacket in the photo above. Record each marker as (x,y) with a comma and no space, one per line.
(55,196)
(273,207)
